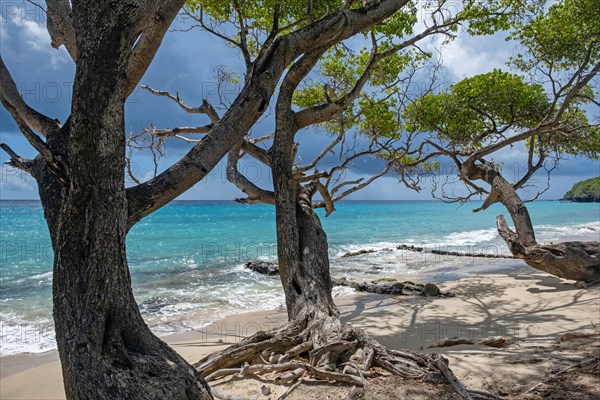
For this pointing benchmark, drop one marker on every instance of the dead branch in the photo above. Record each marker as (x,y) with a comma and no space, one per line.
(581,364)
(17,161)
(183,130)
(289,390)
(205,108)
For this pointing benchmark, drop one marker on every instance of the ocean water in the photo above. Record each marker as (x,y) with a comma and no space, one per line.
(187,259)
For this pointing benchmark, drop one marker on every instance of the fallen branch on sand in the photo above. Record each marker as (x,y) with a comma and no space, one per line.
(584,363)
(498,341)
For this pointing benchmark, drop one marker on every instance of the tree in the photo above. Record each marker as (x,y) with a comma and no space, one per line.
(341,102)
(106,349)
(550,112)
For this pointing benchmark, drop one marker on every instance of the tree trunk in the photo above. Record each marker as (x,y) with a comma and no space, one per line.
(301,247)
(106,349)
(577,261)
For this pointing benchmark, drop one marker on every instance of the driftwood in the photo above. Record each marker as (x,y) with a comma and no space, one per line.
(497,341)
(584,363)
(451,341)
(380,286)
(358,253)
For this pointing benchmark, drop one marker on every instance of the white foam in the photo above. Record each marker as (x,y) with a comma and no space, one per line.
(470,237)
(20,336)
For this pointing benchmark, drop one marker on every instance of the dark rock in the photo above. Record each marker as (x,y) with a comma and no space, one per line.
(263,267)
(387,286)
(431,290)
(358,253)
(409,248)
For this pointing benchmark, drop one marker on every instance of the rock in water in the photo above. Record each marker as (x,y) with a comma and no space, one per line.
(263,267)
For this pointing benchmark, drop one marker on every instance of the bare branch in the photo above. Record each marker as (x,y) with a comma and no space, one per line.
(10,95)
(59,23)
(243,35)
(150,40)
(363,184)
(210,30)
(31,137)
(323,153)
(205,108)
(255,194)
(259,153)
(327,200)
(182,130)
(54,163)
(251,104)
(16,160)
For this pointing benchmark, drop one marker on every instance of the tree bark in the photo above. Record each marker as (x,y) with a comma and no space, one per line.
(302,253)
(579,261)
(106,349)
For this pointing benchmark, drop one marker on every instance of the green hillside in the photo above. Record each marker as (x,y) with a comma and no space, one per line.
(585,191)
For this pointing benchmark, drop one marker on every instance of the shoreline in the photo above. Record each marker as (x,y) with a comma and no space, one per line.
(529,308)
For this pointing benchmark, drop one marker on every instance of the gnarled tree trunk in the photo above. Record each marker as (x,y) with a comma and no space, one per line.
(106,349)
(579,261)
(301,244)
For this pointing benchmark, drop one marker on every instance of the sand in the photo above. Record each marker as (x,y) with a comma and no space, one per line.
(529,308)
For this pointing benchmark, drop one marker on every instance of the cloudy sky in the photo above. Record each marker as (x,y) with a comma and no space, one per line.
(187,63)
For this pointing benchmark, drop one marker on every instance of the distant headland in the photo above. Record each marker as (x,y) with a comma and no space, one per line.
(585,191)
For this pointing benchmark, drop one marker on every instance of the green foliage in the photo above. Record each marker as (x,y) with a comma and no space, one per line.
(259,14)
(479,108)
(258,17)
(564,36)
(487,17)
(588,190)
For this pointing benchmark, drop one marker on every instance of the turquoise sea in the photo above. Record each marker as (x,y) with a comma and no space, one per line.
(187,259)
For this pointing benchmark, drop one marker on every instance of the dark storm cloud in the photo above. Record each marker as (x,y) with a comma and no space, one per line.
(186,64)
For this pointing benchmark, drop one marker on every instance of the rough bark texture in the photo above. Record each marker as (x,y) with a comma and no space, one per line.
(106,349)
(301,241)
(302,252)
(577,261)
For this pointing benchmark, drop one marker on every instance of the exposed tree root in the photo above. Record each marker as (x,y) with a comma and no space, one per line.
(351,360)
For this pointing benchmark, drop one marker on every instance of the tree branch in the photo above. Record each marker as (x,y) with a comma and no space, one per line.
(10,95)
(16,160)
(182,130)
(255,194)
(59,23)
(251,103)
(150,40)
(54,163)
(259,153)
(205,108)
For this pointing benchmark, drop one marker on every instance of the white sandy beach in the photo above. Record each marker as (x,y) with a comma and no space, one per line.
(529,308)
